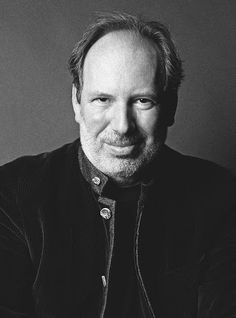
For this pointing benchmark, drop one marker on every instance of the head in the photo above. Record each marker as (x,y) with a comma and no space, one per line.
(126,73)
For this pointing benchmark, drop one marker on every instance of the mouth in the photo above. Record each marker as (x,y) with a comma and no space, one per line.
(121,149)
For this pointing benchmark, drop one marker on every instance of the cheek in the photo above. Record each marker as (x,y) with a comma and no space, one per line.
(148,121)
(94,121)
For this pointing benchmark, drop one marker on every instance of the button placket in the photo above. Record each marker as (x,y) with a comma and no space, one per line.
(107,214)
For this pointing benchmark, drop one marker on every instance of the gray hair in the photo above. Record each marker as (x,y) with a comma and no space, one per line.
(170,72)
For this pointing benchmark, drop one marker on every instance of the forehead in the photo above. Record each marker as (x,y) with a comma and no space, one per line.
(122,40)
(121,50)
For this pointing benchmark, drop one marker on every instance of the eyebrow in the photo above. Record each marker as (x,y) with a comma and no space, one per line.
(98,93)
(141,94)
(147,95)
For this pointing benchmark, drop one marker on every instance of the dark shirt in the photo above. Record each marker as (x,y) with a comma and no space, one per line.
(123,294)
(123,299)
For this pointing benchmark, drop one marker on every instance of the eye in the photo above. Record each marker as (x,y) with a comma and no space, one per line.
(101,101)
(144,100)
(145,103)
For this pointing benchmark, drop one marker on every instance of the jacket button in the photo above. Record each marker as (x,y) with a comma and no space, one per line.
(105,213)
(96,180)
(104,281)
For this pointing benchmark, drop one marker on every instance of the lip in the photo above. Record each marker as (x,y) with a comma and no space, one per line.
(121,149)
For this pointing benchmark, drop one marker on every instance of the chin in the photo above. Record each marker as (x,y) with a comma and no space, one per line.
(122,166)
(128,168)
(124,170)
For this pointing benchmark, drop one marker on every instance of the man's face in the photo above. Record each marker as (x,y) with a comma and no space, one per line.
(118,113)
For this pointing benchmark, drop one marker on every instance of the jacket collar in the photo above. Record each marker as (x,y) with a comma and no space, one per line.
(92,175)
(100,182)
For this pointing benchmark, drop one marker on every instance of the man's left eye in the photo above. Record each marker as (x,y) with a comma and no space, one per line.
(145,103)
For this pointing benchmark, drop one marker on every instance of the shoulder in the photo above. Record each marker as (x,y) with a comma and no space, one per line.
(195,170)
(206,187)
(200,192)
(29,179)
(33,167)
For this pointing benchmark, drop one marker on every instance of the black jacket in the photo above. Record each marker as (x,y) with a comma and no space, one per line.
(52,239)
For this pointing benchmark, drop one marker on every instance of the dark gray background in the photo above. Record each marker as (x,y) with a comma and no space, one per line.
(36,38)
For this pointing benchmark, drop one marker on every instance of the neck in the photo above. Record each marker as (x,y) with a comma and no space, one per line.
(125,183)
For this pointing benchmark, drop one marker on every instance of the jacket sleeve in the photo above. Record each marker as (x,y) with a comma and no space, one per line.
(16,274)
(217,293)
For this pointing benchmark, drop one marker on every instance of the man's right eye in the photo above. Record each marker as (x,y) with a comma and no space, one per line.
(101,100)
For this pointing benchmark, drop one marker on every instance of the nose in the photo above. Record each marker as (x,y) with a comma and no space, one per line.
(123,120)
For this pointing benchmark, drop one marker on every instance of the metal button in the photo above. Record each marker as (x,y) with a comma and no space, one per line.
(105,213)
(104,281)
(96,180)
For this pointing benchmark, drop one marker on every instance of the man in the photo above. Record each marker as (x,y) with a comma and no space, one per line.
(117,224)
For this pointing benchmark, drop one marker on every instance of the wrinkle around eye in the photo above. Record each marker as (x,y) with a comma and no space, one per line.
(145,103)
(103,101)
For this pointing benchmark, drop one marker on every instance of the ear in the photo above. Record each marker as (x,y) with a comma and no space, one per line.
(170,106)
(76,104)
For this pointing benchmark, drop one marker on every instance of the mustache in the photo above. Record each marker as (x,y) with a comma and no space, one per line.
(122,140)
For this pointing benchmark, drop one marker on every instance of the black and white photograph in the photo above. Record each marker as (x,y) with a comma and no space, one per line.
(117,159)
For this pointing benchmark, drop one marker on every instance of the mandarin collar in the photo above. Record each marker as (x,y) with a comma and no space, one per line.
(99,181)
(92,175)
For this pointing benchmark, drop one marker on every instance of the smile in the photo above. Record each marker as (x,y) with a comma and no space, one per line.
(120,149)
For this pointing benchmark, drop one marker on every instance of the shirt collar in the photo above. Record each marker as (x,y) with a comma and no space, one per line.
(92,175)
(100,182)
